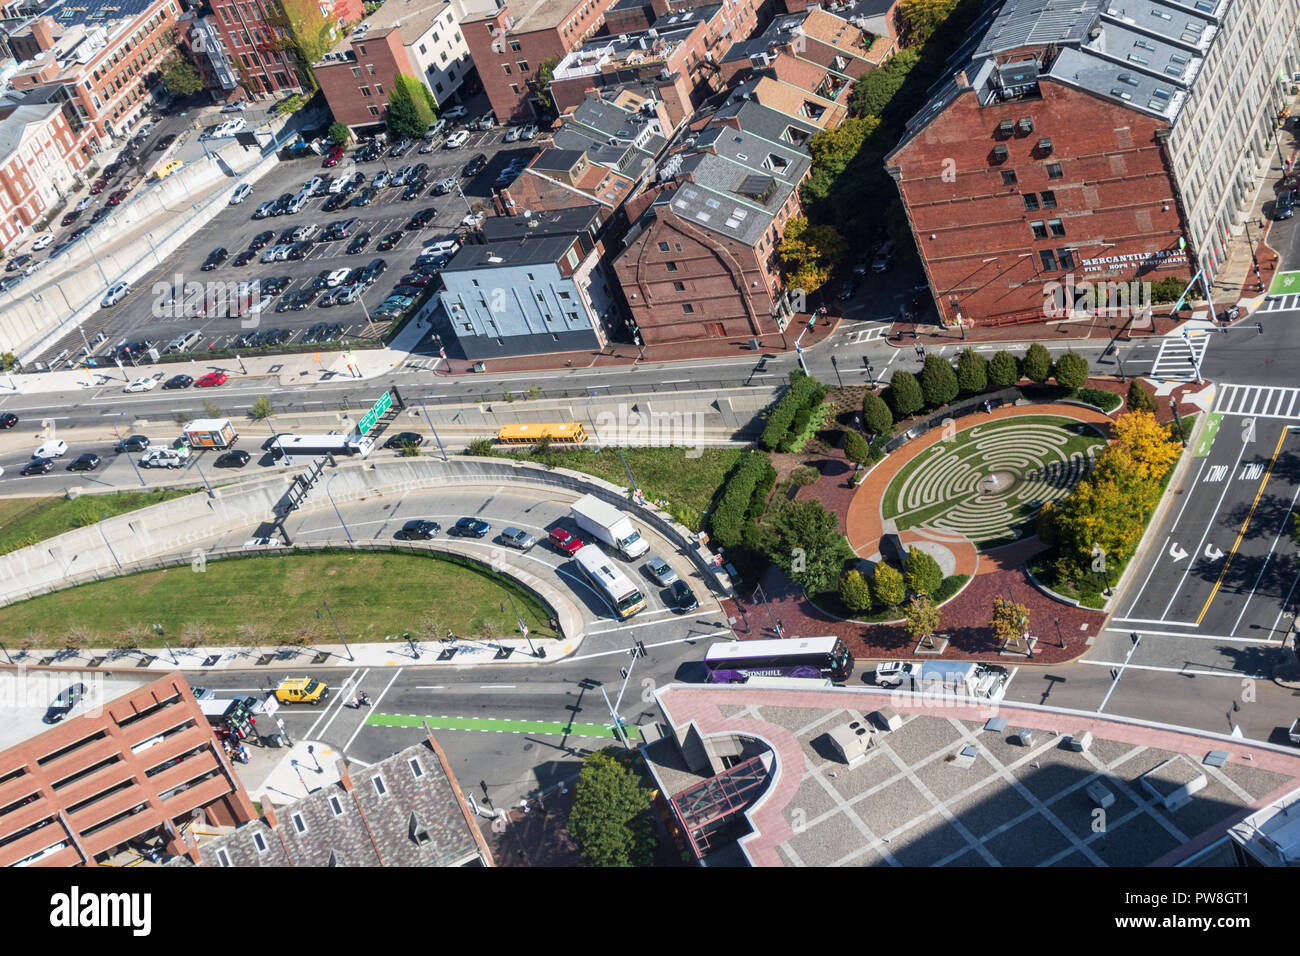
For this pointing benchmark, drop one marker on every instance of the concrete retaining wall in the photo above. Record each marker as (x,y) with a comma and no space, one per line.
(184,523)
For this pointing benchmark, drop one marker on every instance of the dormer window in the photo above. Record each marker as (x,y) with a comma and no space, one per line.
(1026,124)
(1006,128)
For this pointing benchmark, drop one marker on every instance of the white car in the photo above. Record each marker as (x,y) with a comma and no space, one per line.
(240,194)
(893,673)
(512,134)
(473,220)
(116,293)
(456,112)
(337,276)
(457,139)
(146,384)
(52,449)
(528,132)
(42,243)
(84,204)
(303,233)
(237,107)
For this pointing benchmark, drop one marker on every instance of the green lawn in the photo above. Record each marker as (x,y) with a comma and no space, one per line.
(687,483)
(26,521)
(272,599)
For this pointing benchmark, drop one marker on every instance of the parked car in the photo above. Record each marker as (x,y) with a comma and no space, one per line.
(470,528)
(457,139)
(98,186)
(334,202)
(475,165)
(660,571)
(145,384)
(244,258)
(456,112)
(212,379)
(512,134)
(234,459)
(240,194)
(334,156)
(422,218)
(164,142)
(528,132)
(86,462)
(236,107)
(336,277)
(388,241)
(418,530)
(41,243)
(71,217)
(683,597)
(365,197)
(382,179)
(883,257)
(179,381)
(65,703)
(358,243)
(260,240)
(215,258)
(1284,205)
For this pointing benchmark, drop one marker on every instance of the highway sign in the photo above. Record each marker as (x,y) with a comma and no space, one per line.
(369,418)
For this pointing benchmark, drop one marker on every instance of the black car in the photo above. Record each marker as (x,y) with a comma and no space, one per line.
(418,530)
(476,165)
(402,439)
(321,281)
(245,339)
(8,420)
(38,466)
(334,202)
(215,258)
(358,243)
(332,333)
(299,250)
(388,241)
(420,173)
(244,258)
(281,205)
(64,703)
(412,191)
(99,215)
(470,528)
(78,233)
(684,597)
(17,262)
(366,196)
(314,333)
(422,218)
(133,443)
(86,462)
(71,217)
(164,143)
(261,239)
(286,236)
(287,302)
(373,271)
(179,381)
(234,459)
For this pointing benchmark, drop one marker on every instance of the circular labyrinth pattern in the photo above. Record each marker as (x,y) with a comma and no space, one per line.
(988,482)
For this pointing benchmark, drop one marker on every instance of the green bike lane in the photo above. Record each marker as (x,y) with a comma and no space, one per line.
(501,725)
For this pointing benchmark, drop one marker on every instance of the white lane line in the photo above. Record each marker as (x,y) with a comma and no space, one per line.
(430,686)
(1178,670)
(361,726)
(497,686)
(1195,637)
(624,650)
(1197,551)
(1268,557)
(1147,620)
(339,699)
(629,627)
(1282,610)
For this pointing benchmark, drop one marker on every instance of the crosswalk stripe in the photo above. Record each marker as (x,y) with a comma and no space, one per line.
(1257,401)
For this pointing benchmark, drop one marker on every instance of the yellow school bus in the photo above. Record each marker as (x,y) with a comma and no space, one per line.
(562,433)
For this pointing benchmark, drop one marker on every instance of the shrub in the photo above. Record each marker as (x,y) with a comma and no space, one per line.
(922,574)
(950,586)
(481,448)
(972,372)
(803,476)
(938,381)
(1004,371)
(1106,401)
(854,591)
(1140,400)
(1046,524)
(904,394)
(804,394)
(876,416)
(1072,371)
(1038,363)
(856,448)
(887,585)
(800,436)
(732,511)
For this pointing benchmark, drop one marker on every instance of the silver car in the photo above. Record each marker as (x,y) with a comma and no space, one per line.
(660,571)
(518,538)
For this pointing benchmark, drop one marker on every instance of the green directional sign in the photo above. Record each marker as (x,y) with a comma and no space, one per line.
(369,418)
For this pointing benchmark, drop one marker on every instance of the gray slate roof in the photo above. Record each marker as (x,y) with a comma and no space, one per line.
(13,125)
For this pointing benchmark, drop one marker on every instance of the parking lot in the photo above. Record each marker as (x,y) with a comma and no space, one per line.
(143,317)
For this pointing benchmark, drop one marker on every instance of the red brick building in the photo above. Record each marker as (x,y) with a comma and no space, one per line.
(509,42)
(700,259)
(131,760)
(250,31)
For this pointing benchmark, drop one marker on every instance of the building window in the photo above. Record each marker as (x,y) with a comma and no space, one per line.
(379,89)
(506,67)
(1049,260)
(514,88)
(1056,226)
(380,788)
(672,266)
(374,110)
(688,309)
(416,769)
(523,65)
(370,68)
(365,91)
(1067,258)
(1031,201)
(443,56)
(299,823)
(679,286)
(1049,199)
(663,247)
(1040,230)
(422,49)
(1008,177)
(259,841)
(223,857)
(1054,171)
(356,71)
(515,46)
(361,50)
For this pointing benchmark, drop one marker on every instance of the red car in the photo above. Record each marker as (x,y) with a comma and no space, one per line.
(565,543)
(98,187)
(333,158)
(117,197)
(211,380)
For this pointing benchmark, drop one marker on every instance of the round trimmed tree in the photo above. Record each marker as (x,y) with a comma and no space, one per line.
(887,585)
(876,414)
(854,591)
(921,572)
(1038,363)
(856,448)
(938,381)
(904,395)
(1072,371)
(1139,399)
(1004,370)
(972,372)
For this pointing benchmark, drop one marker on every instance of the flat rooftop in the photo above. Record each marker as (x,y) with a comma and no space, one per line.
(914,800)
(25,697)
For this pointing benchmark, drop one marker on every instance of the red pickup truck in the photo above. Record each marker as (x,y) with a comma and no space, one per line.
(565,543)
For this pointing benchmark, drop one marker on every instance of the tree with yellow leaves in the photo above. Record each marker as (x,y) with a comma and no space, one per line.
(1147,443)
(810,254)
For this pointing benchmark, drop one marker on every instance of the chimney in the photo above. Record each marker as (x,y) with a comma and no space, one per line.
(43,33)
(962,82)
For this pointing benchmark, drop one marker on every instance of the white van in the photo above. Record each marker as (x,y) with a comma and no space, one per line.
(298,201)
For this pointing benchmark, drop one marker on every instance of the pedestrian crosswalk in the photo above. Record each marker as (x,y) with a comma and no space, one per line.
(1180,358)
(1281,303)
(1258,401)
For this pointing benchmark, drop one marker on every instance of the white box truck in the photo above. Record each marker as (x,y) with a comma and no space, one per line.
(209,433)
(963,678)
(606,523)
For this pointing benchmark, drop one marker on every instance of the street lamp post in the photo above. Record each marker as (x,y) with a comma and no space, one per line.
(1173,407)
(326,606)
(1059,638)
(523,628)
(425,407)
(336,508)
(106,544)
(211,493)
(836,365)
(595,431)
(871,373)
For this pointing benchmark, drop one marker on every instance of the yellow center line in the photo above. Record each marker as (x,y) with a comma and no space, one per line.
(1242,533)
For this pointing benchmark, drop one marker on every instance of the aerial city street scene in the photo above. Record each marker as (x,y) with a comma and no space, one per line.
(650,433)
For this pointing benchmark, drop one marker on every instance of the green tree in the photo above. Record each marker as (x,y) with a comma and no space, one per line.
(1139,399)
(481,448)
(887,585)
(873,92)
(938,381)
(180,76)
(261,409)
(1038,363)
(876,415)
(1045,524)
(856,448)
(921,18)
(409,110)
(1072,371)
(610,816)
(972,372)
(809,254)
(922,619)
(904,395)
(921,572)
(1010,620)
(1004,371)
(804,541)
(854,591)
(339,133)
(545,73)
